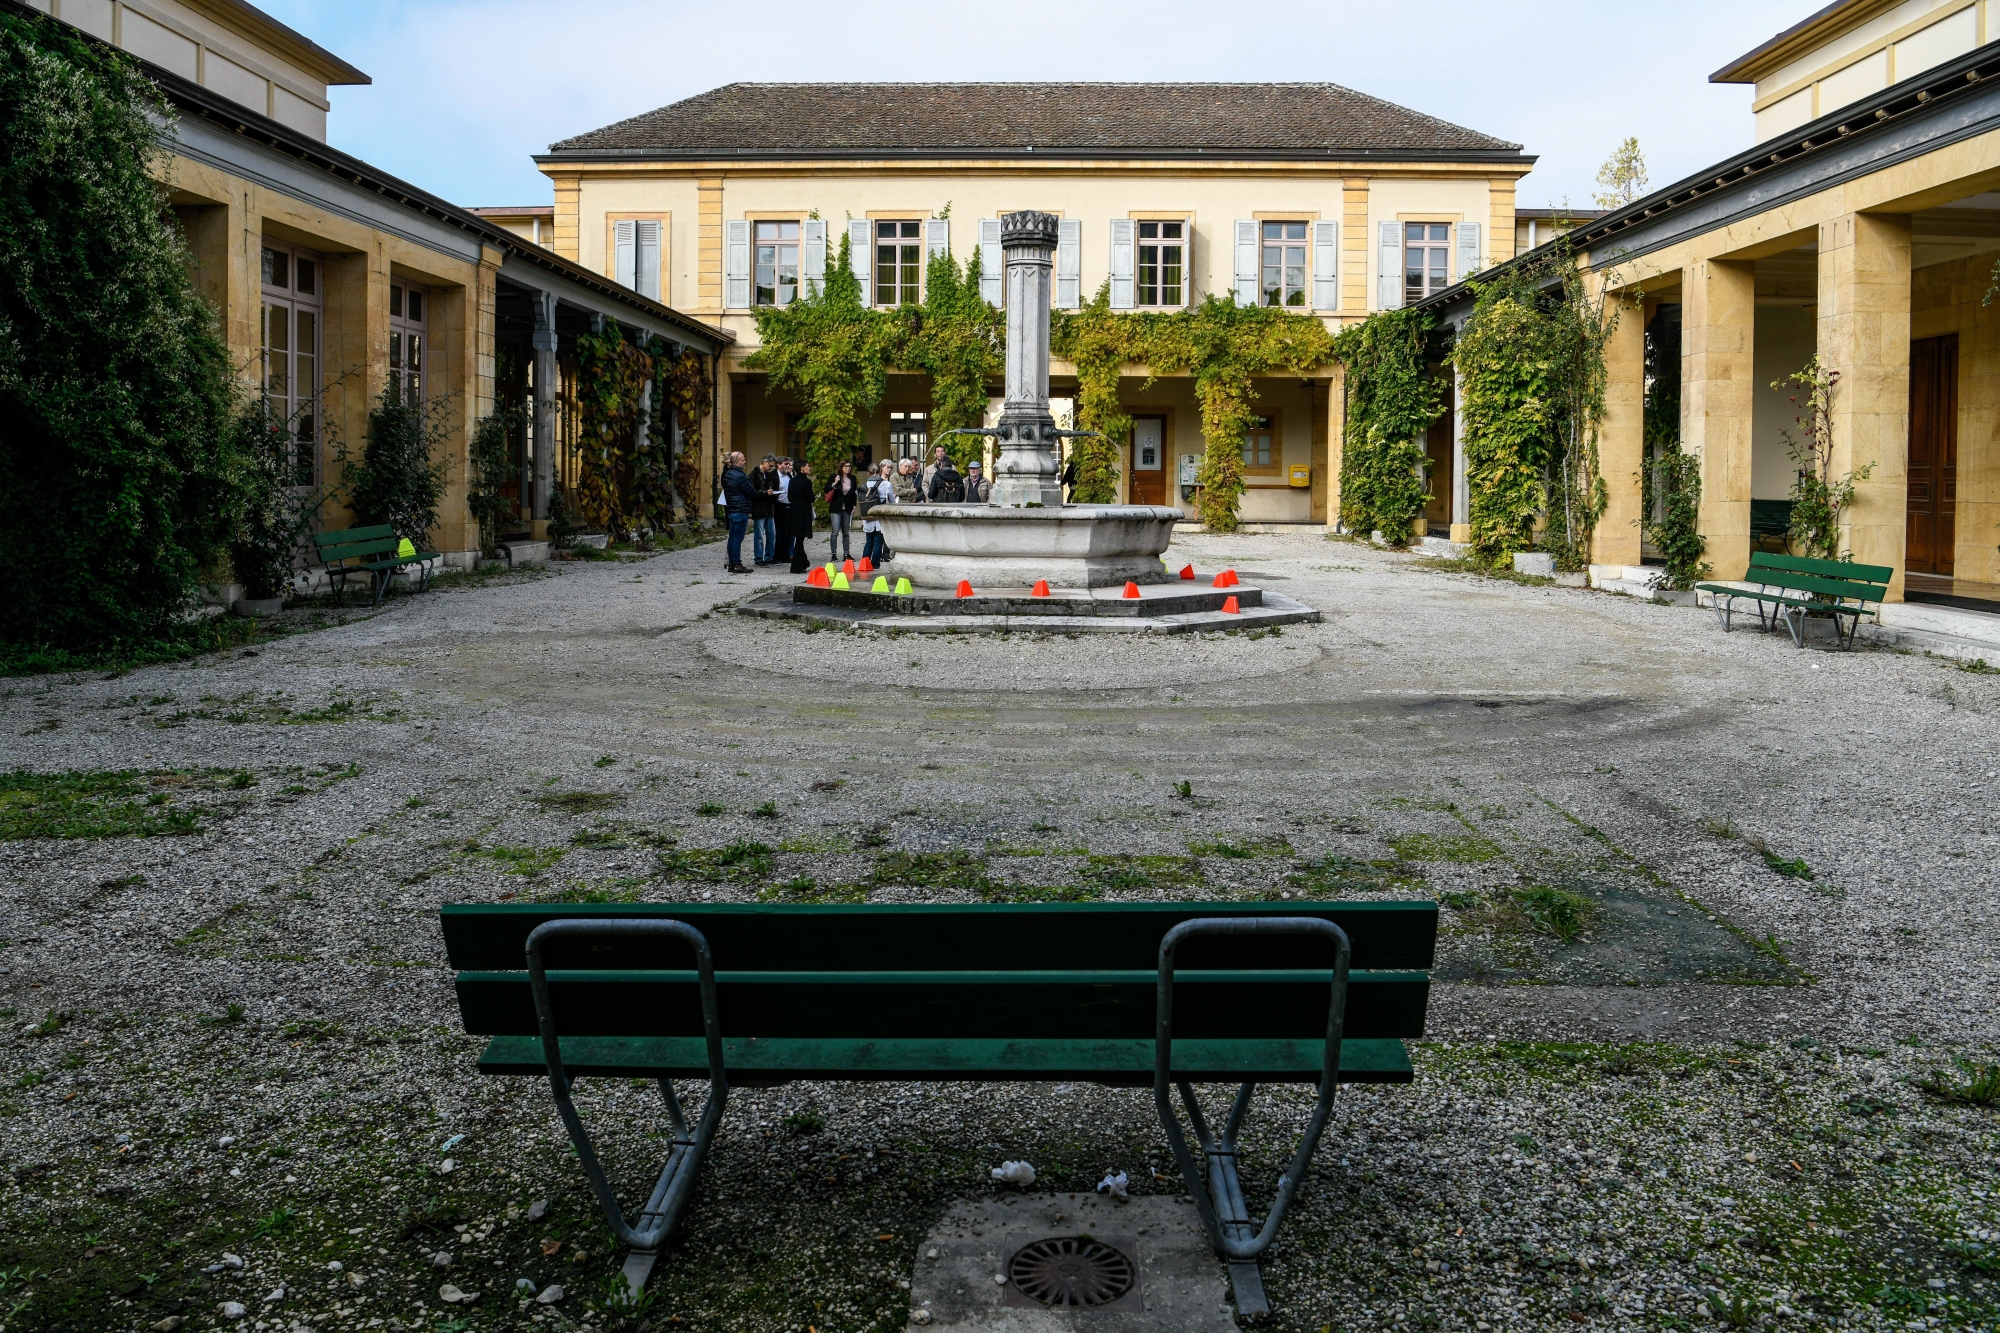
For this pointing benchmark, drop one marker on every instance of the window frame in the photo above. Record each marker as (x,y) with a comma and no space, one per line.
(917,240)
(1185,243)
(1273,423)
(611,221)
(409,374)
(302,410)
(896,441)
(1449,245)
(797,242)
(1303,243)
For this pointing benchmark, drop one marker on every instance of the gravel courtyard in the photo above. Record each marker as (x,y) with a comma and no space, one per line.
(1713,1042)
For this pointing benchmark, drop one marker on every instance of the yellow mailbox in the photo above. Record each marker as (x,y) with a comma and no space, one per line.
(1302,474)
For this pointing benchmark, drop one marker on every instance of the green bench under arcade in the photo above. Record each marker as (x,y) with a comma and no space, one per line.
(1771,520)
(1160,995)
(370,551)
(1793,589)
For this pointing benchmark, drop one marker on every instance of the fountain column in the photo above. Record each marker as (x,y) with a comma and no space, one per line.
(1028,473)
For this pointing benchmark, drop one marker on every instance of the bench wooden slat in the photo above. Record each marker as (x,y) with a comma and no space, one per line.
(884,937)
(1000,1005)
(1838,569)
(1127,1063)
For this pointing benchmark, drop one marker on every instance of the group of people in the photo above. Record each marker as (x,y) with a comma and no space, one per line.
(775,503)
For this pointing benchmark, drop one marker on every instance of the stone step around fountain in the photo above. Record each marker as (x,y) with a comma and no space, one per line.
(1172,608)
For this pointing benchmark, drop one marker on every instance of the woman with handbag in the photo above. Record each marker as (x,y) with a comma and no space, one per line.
(880,491)
(801,515)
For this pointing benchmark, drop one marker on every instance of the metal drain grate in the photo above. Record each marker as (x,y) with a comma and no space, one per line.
(1071,1270)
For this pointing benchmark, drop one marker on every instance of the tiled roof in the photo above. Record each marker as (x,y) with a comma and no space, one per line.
(1016,119)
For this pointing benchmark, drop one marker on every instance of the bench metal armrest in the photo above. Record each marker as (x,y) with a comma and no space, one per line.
(1233,1236)
(684,1160)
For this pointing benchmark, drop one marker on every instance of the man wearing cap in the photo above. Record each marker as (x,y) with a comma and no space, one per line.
(978,490)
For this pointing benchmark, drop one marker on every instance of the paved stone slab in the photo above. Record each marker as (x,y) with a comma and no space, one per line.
(1182,1285)
(1261,611)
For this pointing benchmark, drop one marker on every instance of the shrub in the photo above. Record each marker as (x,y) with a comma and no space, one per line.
(277,515)
(492,468)
(118,485)
(1391,400)
(401,476)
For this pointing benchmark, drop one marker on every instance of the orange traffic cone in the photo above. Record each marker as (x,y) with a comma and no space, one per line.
(1221,580)
(965,587)
(1230,608)
(1131,590)
(1230,574)
(1041,588)
(867,565)
(1187,571)
(848,569)
(818,578)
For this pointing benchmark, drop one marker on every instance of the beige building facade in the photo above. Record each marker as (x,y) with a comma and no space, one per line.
(334,282)
(1866,236)
(1311,197)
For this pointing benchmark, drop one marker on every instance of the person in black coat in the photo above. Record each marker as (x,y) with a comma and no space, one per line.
(801,516)
(763,510)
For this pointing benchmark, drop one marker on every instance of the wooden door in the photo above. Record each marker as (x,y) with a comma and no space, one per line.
(1933,455)
(1149,461)
(1438,451)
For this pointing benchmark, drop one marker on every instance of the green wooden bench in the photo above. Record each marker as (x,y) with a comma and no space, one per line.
(1160,995)
(370,551)
(1793,589)
(1771,520)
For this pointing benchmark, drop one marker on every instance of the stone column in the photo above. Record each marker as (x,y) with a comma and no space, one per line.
(1027,470)
(546,375)
(1621,439)
(1718,335)
(1864,333)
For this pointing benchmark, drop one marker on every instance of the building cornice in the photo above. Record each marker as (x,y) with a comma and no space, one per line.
(1074,159)
(1809,33)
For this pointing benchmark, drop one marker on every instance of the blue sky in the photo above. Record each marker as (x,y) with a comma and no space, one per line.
(465,92)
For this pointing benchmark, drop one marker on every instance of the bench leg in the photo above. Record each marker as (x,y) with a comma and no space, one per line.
(1723,607)
(1217,1190)
(655,1222)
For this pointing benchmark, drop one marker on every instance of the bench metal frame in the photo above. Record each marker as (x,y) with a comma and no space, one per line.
(1214,1183)
(1793,613)
(656,1220)
(1219,1199)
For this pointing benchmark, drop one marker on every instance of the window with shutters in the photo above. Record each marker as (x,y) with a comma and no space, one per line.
(291,351)
(777,263)
(909,434)
(1284,263)
(1426,259)
(1162,260)
(899,261)
(408,308)
(636,245)
(1262,451)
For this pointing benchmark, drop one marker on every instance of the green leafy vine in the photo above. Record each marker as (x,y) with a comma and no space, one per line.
(1391,400)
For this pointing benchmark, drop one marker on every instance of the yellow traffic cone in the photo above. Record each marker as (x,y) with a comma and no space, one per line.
(903,588)
(840,583)
(881,584)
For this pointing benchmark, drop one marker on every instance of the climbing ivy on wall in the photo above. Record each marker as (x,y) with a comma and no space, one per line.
(1530,363)
(683,388)
(833,353)
(611,376)
(959,340)
(1218,343)
(1392,399)
(119,481)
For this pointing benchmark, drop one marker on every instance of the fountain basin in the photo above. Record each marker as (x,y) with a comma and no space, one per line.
(1075,546)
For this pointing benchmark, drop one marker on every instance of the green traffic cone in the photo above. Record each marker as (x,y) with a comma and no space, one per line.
(881,584)
(903,588)
(840,583)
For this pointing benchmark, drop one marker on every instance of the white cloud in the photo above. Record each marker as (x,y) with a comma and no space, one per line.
(465,92)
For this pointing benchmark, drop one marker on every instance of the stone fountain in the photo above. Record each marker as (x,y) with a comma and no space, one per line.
(1024,535)
(1025,532)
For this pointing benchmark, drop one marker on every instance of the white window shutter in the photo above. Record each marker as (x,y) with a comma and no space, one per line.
(1246,261)
(937,238)
(1069,263)
(1468,251)
(992,265)
(861,257)
(621,253)
(1389,270)
(1122,230)
(812,260)
(736,267)
(1326,265)
(646,257)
